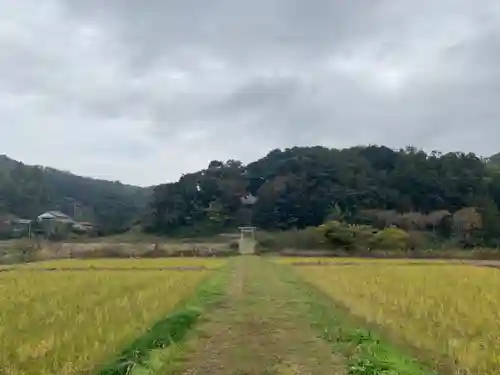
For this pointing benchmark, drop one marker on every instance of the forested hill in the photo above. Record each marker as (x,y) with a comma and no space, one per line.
(494,159)
(300,187)
(27,191)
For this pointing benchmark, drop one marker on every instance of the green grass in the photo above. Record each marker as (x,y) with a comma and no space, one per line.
(141,357)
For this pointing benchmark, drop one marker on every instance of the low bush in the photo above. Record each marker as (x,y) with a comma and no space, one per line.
(337,236)
(391,239)
(420,240)
(309,238)
(351,238)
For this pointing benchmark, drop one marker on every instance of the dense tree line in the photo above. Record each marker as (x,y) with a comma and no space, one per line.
(28,191)
(301,187)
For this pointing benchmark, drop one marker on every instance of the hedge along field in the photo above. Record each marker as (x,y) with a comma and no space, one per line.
(451,311)
(69,322)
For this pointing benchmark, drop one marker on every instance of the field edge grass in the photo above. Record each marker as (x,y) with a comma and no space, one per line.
(364,348)
(169,331)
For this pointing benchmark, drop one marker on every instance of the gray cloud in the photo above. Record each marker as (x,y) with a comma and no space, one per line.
(146,91)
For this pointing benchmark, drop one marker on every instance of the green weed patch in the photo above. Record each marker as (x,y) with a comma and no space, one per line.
(139,356)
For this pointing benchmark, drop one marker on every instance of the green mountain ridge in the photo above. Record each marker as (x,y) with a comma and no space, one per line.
(494,159)
(27,191)
(295,188)
(303,186)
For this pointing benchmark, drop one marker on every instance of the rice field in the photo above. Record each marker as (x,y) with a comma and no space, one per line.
(68,322)
(141,263)
(74,316)
(339,260)
(451,311)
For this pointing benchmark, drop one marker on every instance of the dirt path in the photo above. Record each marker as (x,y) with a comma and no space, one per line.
(262,328)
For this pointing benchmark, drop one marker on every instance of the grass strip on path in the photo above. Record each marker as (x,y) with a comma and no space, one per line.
(261,327)
(139,357)
(269,321)
(366,353)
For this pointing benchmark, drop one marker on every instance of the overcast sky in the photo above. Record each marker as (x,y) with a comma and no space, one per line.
(143,91)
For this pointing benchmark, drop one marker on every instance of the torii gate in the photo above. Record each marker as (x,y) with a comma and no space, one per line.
(247,240)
